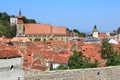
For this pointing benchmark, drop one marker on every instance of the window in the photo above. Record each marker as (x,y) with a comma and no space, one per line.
(26,60)
(11,67)
(18,78)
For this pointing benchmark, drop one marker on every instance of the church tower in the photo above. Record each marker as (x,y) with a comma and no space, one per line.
(95,32)
(20,26)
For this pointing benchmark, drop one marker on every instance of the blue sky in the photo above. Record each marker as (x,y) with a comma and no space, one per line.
(74,14)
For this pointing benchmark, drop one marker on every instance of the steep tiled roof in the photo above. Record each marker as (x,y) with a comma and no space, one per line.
(59,30)
(37,29)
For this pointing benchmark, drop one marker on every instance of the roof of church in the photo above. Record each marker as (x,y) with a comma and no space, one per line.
(37,28)
(59,30)
(44,29)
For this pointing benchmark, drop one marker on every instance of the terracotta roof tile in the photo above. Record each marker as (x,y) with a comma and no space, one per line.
(59,30)
(20,39)
(37,29)
(9,54)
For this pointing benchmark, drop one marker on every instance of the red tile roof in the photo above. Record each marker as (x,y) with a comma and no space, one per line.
(54,57)
(37,29)
(59,30)
(20,39)
(9,54)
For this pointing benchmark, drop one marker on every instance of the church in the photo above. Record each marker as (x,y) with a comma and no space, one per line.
(42,32)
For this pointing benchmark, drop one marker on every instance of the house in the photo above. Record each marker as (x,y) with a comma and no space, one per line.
(112,41)
(11,65)
(54,59)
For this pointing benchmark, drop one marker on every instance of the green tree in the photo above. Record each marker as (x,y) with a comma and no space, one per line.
(106,50)
(61,67)
(107,53)
(80,34)
(26,20)
(10,31)
(76,61)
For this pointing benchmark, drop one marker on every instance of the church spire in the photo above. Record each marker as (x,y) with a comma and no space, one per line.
(20,21)
(95,29)
(20,14)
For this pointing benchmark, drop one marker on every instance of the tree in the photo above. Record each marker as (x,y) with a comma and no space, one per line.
(10,31)
(76,61)
(118,30)
(106,49)
(26,20)
(107,53)
(61,67)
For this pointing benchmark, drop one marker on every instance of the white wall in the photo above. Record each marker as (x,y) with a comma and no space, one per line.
(12,61)
(7,74)
(55,65)
(11,74)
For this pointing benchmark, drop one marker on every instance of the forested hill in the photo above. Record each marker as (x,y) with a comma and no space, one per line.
(6,29)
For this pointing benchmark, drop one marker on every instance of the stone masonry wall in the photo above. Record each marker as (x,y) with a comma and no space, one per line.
(104,73)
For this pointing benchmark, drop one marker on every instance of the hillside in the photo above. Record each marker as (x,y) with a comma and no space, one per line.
(6,29)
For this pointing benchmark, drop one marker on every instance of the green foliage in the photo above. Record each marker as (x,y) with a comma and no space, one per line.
(61,67)
(10,31)
(80,34)
(37,39)
(76,61)
(10,43)
(26,20)
(5,25)
(106,50)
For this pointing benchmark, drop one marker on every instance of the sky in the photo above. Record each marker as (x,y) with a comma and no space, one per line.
(73,14)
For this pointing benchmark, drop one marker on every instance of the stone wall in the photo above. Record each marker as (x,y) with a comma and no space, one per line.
(104,73)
